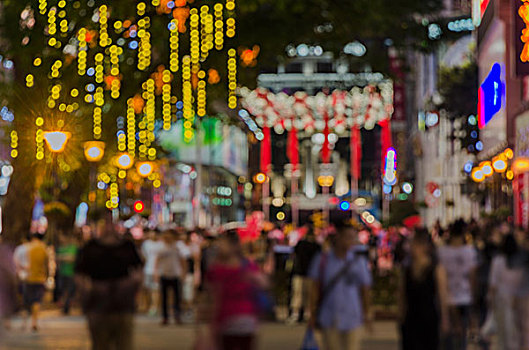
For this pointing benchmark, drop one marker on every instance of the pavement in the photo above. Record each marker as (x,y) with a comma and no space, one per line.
(59,332)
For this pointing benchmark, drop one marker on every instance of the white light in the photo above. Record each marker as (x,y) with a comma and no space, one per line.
(303,50)
(370,219)
(437,193)
(355,48)
(7,170)
(360,202)
(407,188)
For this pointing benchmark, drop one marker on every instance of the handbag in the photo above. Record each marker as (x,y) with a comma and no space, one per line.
(309,341)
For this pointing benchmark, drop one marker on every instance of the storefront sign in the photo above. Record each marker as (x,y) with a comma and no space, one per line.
(490,96)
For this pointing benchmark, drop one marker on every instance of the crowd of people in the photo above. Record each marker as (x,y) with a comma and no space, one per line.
(466,283)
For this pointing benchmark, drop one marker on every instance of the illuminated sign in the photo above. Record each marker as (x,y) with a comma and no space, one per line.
(478,10)
(490,96)
(390,167)
(523,12)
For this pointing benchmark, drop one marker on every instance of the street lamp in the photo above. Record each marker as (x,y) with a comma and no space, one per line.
(94,150)
(145,168)
(56,140)
(124,161)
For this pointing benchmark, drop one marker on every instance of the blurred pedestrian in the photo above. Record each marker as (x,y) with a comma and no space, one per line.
(459,259)
(37,275)
(423,307)
(341,292)
(234,284)
(66,254)
(170,268)
(109,274)
(20,258)
(506,276)
(304,252)
(191,251)
(150,249)
(8,282)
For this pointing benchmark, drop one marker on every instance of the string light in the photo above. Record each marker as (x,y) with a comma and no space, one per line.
(55,68)
(43,4)
(201,94)
(97,118)
(150,112)
(115,85)
(29,80)
(113,203)
(195,40)
(52,27)
(62,14)
(187,99)
(230,22)
(81,56)
(232,79)
(99,57)
(14,144)
(166,99)
(131,128)
(144,51)
(104,39)
(207,30)
(219,26)
(39,138)
(173,44)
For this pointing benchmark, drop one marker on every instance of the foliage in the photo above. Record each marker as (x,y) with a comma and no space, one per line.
(458,88)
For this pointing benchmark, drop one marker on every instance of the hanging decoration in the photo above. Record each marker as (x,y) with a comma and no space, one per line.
(364,107)
(356,153)
(266,150)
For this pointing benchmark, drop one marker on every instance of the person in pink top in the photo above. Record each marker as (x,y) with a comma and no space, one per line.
(233,284)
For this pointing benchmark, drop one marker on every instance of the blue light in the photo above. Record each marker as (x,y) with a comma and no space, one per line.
(170,4)
(133,45)
(468,167)
(387,189)
(345,206)
(479,146)
(474,134)
(179,104)
(171,25)
(120,132)
(91,71)
(490,96)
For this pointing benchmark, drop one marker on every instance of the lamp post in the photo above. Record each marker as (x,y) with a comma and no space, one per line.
(56,142)
(94,152)
(124,161)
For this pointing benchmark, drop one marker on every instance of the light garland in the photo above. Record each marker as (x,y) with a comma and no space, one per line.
(14,144)
(144,51)
(30,80)
(232,79)
(207,30)
(115,84)
(55,69)
(43,4)
(363,107)
(230,21)
(201,94)
(99,71)
(96,123)
(39,138)
(52,27)
(173,44)
(82,55)
(62,14)
(113,203)
(166,99)
(131,128)
(219,26)
(195,40)
(187,99)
